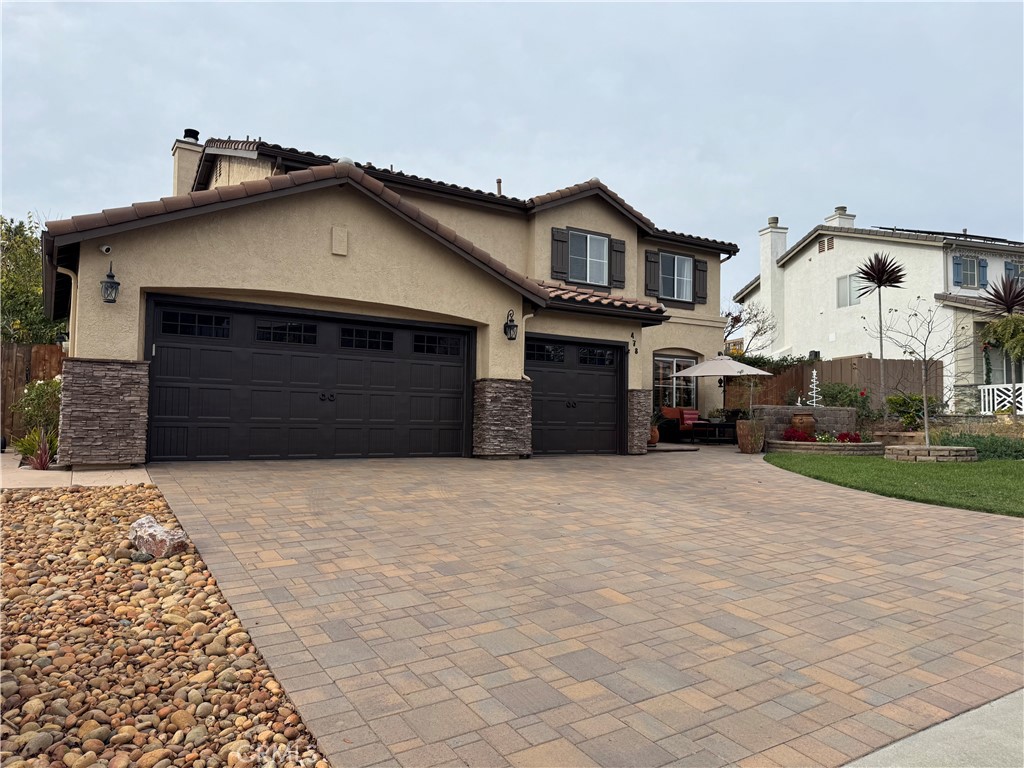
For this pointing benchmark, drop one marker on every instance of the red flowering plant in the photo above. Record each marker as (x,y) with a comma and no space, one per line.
(796,435)
(848,437)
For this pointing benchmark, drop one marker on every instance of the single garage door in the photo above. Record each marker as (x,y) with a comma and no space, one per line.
(576,405)
(228,383)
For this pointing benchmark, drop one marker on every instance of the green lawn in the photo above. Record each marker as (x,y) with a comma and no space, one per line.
(987,486)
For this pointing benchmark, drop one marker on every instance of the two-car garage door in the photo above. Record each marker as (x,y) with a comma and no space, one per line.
(238,383)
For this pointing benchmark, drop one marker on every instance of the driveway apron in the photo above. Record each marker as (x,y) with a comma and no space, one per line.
(701,609)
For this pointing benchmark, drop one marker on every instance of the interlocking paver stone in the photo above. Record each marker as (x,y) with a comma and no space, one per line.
(443,720)
(529,697)
(731,608)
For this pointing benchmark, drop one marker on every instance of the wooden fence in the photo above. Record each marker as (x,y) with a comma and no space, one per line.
(902,376)
(20,364)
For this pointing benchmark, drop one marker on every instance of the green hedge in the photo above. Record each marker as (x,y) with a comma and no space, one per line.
(989,446)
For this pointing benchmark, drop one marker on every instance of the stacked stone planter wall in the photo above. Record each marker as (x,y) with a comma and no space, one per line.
(841,449)
(935,453)
(777,418)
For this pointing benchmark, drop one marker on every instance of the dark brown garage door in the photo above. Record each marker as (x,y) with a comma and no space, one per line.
(576,405)
(237,384)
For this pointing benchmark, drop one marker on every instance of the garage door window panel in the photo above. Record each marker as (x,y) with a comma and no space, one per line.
(286,332)
(368,339)
(211,326)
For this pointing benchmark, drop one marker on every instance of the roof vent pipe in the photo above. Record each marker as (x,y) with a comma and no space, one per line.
(191,134)
(499,190)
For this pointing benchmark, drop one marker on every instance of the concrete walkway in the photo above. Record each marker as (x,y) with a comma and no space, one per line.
(13,476)
(699,609)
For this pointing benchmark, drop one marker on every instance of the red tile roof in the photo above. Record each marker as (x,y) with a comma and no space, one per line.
(587,296)
(574,191)
(344,172)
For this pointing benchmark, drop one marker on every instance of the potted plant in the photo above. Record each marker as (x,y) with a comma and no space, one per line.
(750,435)
(717,415)
(656,419)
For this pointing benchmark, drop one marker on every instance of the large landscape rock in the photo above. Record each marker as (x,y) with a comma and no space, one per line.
(147,535)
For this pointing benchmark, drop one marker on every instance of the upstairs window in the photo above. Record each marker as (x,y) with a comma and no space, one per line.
(676,277)
(969,271)
(588,258)
(847,287)
(1015,270)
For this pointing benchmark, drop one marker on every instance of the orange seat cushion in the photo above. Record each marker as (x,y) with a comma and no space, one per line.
(671,413)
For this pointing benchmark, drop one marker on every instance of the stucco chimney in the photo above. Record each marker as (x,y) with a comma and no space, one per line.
(771,295)
(186,153)
(840,218)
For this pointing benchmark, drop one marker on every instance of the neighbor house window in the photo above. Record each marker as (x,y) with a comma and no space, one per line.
(588,258)
(680,392)
(969,272)
(847,287)
(676,277)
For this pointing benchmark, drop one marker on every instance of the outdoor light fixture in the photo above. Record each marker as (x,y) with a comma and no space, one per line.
(511,329)
(110,287)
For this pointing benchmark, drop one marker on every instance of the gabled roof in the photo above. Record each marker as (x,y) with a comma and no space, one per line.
(924,236)
(63,232)
(112,220)
(540,202)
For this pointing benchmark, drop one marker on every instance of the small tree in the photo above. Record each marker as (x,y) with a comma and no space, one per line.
(878,272)
(1004,300)
(21,285)
(929,335)
(758,324)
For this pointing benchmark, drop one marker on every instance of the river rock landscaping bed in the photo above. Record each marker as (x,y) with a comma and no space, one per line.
(112,658)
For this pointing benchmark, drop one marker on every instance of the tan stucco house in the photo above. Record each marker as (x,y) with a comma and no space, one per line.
(283,304)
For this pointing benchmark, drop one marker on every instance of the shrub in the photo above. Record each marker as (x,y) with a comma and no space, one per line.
(30,445)
(843,395)
(909,409)
(40,405)
(989,446)
(796,435)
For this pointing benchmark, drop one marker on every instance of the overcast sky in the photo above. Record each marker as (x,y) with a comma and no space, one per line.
(707,118)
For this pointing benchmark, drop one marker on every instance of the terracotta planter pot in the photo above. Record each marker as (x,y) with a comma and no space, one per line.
(654,437)
(750,436)
(805,422)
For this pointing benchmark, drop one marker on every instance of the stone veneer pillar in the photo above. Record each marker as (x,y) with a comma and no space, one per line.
(639,404)
(104,411)
(502,418)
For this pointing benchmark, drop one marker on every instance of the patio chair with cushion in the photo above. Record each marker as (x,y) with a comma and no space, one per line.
(678,424)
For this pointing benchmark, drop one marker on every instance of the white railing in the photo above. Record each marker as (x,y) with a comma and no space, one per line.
(997,397)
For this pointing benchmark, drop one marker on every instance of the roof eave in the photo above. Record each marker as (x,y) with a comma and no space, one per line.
(645,317)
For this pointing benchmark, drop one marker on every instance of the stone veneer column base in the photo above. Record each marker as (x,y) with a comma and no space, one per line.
(502,418)
(639,405)
(104,410)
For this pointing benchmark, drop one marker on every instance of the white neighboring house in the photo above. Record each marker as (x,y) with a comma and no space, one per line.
(811,289)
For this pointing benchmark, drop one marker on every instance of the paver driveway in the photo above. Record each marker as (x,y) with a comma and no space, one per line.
(691,609)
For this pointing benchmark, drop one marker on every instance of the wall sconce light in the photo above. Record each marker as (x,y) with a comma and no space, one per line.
(721,383)
(110,287)
(511,329)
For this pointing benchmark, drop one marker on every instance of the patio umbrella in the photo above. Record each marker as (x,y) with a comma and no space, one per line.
(722,366)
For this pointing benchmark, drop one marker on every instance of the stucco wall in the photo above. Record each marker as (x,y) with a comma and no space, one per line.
(279,252)
(812,318)
(234,170)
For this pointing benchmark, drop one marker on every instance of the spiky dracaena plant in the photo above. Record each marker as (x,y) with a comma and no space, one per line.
(878,272)
(1004,300)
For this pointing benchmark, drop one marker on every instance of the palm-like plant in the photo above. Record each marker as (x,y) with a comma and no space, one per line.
(878,272)
(1003,300)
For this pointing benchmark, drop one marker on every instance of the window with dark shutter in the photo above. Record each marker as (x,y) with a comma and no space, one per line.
(559,253)
(652,273)
(617,264)
(958,278)
(700,281)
